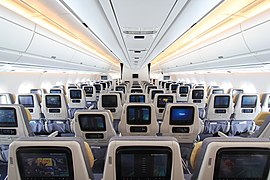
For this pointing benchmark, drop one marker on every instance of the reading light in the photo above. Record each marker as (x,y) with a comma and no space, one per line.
(57,27)
(222,18)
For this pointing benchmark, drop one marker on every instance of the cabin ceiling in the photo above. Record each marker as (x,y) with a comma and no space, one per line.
(105,33)
(138,31)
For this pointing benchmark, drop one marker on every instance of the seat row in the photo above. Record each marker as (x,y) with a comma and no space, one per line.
(139,158)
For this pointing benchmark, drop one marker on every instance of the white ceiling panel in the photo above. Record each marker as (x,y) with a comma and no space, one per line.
(142,13)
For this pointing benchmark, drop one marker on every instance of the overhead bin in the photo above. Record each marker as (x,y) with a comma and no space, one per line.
(16,32)
(243,45)
(228,47)
(256,32)
(50,47)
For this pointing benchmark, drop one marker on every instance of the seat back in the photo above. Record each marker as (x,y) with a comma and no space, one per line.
(219,107)
(136,90)
(57,91)
(152,93)
(98,88)
(112,102)
(215,91)
(233,158)
(182,122)
(90,93)
(50,158)
(197,96)
(54,106)
(138,119)
(7,98)
(94,126)
(265,102)
(247,106)
(122,88)
(173,88)
(233,92)
(14,123)
(40,91)
(143,158)
(182,93)
(76,98)
(137,98)
(104,87)
(31,102)
(160,101)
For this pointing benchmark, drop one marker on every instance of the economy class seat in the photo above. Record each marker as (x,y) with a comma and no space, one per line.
(138,119)
(55,109)
(7,98)
(90,96)
(197,97)
(143,158)
(231,158)
(32,102)
(182,122)
(76,100)
(182,93)
(218,113)
(14,123)
(173,88)
(94,126)
(112,102)
(247,107)
(50,158)
(137,98)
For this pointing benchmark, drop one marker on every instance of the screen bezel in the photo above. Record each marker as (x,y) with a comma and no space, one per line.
(193,94)
(53,106)
(92,116)
(143,150)
(245,106)
(32,99)
(222,106)
(11,124)
(186,122)
(140,121)
(241,151)
(75,90)
(44,149)
(103,99)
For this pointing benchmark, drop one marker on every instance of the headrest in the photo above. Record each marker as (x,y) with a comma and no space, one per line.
(261,117)
(29,116)
(90,154)
(194,154)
